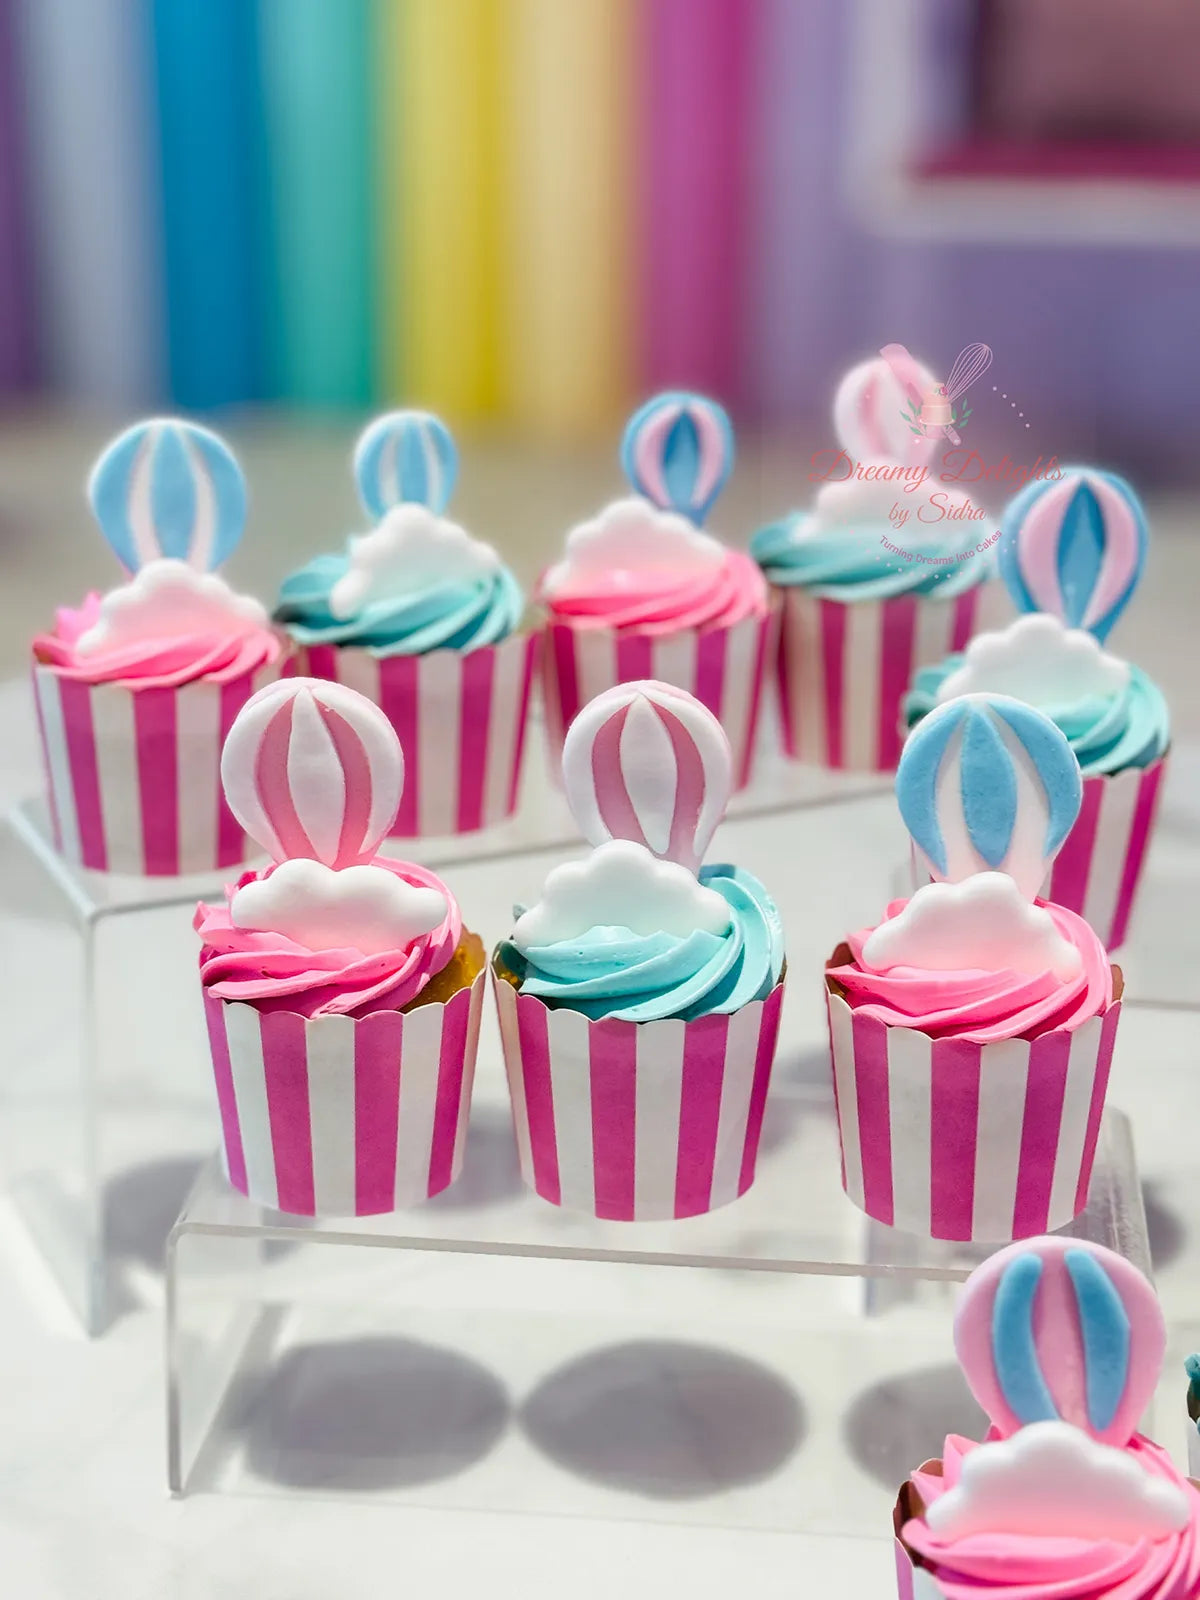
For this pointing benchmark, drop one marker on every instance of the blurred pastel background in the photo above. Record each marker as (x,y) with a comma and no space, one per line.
(526,213)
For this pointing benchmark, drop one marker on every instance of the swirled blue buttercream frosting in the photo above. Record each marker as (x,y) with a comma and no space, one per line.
(1109,733)
(851,547)
(642,974)
(415,583)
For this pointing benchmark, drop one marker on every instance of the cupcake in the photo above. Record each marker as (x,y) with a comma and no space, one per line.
(972,1029)
(342,992)
(1061,1342)
(641,592)
(883,575)
(136,689)
(1192,1366)
(426,621)
(640,996)
(1072,552)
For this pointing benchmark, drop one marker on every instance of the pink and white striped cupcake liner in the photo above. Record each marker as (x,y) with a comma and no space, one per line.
(461,719)
(723,667)
(1099,867)
(954,1140)
(134,775)
(344,1116)
(637,1121)
(844,669)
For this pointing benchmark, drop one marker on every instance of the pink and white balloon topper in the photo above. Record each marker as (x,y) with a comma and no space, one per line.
(869,413)
(313,771)
(648,763)
(1060,1329)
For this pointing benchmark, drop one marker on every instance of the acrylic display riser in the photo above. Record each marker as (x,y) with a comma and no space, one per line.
(776,1364)
(108,1106)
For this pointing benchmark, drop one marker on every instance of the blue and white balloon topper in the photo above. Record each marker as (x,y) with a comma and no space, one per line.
(1075,547)
(405,457)
(988,784)
(678,452)
(169,489)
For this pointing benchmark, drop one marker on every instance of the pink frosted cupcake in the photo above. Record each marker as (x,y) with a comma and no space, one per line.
(972,1030)
(137,688)
(642,593)
(342,992)
(1061,1342)
(429,623)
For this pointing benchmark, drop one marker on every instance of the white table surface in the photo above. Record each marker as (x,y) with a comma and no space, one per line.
(84,1511)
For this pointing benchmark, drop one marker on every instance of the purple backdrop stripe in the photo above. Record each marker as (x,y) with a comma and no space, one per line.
(16,287)
(695,59)
(91,152)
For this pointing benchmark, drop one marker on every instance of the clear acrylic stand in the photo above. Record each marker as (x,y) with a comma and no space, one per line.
(782,1366)
(107,1098)
(106,1114)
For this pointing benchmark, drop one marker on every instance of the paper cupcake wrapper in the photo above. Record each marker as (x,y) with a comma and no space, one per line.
(344,1116)
(1099,867)
(912,1582)
(952,1140)
(722,667)
(637,1121)
(844,670)
(461,719)
(134,775)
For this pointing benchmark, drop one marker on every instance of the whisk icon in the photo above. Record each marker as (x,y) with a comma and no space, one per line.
(932,410)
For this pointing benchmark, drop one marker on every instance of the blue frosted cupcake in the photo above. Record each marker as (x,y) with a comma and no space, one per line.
(640,997)
(1072,553)
(427,622)
(869,594)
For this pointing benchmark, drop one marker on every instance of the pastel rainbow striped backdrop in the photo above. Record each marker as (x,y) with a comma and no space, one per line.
(211,201)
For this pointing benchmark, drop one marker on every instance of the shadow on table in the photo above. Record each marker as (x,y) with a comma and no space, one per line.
(665,1420)
(897,1424)
(370,1414)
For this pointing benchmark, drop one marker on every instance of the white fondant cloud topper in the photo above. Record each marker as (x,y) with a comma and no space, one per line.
(621,885)
(632,536)
(410,550)
(167,599)
(363,908)
(983,923)
(1040,660)
(1051,1479)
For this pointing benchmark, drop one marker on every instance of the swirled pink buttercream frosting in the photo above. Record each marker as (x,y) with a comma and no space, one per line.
(276,973)
(1015,1566)
(652,571)
(979,1006)
(217,656)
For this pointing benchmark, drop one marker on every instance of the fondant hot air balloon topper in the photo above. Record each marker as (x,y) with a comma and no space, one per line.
(1061,1342)
(988,788)
(647,772)
(1059,1329)
(869,410)
(405,458)
(647,762)
(677,453)
(1074,548)
(171,502)
(406,465)
(314,772)
(988,784)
